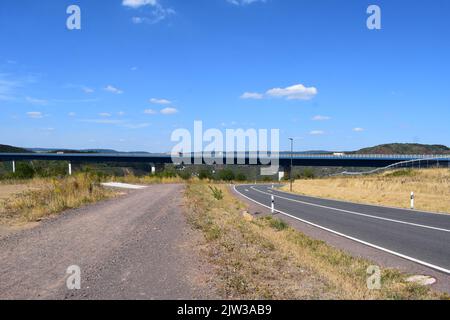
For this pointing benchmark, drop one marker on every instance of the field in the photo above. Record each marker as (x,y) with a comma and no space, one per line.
(26,201)
(264,258)
(392,188)
(8,190)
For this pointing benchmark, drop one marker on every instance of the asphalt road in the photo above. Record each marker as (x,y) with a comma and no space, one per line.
(420,237)
(137,246)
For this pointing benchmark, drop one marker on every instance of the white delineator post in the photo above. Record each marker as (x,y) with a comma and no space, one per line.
(412,200)
(14,166)
(273,204)
(70,168)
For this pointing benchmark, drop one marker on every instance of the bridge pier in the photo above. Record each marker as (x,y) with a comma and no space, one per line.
(156,167)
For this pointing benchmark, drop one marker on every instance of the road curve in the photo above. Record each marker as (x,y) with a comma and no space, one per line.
(136,246)
(421,237)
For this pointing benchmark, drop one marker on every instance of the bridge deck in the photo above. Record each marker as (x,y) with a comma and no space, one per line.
(349,160)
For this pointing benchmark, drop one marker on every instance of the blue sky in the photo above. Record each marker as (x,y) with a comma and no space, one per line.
(138,69)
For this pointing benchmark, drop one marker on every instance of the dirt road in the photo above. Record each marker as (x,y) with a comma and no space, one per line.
(134,247)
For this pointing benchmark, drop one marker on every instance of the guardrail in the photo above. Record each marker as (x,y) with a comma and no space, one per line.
(402,164)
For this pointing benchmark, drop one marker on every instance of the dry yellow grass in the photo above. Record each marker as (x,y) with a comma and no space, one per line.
(46,196)
(263,258)
(393,188)
(147,179)
(7,190)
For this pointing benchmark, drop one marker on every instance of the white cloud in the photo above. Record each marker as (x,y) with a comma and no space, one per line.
(7,87)
(295,92)
(168,111)
(35,114)
(244,2)
(150,111)
(121,113)
(157,13)
(136,126)
(87,90)
(113,89)
(102,121)
(358,129)
(120,123)
(138,20)
(72,114)
(321,118)
(73,101)
(105,114)
(39,102)
(139,3)
(160,101)
(317,132)
(252,95)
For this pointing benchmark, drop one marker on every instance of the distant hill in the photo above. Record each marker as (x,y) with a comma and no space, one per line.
(54,150)
(11,149)
(406,148)
(391,148)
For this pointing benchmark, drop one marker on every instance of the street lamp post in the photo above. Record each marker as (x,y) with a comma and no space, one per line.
(292,154)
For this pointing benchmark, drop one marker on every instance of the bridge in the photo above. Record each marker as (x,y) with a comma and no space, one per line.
(240,158)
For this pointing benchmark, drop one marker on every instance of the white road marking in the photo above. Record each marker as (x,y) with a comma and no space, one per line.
(355,213)
(353,238)
(375,205)
(122,185)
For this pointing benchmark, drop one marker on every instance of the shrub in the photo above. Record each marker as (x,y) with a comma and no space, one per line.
(184,175)
(226,175)
(217,193)
(205,174)
(276,224)
(24,171)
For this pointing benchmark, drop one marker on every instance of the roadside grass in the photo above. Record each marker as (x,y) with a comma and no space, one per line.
(149,179)
(392,188)
(264,258)
(47,196)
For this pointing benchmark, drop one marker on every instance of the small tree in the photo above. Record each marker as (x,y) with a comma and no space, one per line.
(24,171)
(226,175)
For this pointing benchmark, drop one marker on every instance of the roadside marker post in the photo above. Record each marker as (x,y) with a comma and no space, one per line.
(70,168)
(14,166)
(273,204)
(412,200)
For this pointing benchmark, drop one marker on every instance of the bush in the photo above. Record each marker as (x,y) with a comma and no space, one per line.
(205,174)
(306,174)
(241,177)
(402,173)
(217,193)
(226,175)
(24,171)
(168,173)
(184,175)
(276,224)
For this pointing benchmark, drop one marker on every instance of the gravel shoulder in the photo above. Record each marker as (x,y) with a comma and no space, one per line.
(137,246)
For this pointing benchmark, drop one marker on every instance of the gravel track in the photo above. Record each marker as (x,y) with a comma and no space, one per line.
(137,246)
